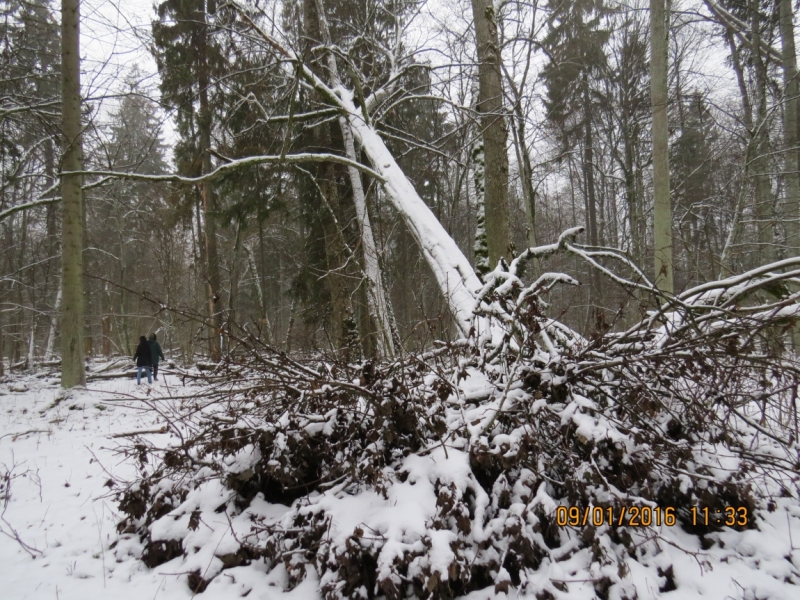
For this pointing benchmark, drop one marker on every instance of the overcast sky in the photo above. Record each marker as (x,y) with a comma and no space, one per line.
(115,34)
(114,38)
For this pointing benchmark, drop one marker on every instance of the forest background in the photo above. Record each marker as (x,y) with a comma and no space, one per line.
(281,246)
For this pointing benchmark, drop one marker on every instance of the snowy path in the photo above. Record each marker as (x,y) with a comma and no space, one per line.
(60,505)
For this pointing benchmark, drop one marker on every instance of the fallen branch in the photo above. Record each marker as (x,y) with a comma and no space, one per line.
(16,436)
(163,429)
(6,528)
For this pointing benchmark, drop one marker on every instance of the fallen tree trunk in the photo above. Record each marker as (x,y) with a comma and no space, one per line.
(454,274)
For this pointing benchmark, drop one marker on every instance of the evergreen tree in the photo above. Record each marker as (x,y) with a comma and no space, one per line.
(629,107)
(693,168)
(576,49)
(127,214)
(191,62)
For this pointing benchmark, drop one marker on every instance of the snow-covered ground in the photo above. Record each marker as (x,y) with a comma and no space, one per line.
(59,460)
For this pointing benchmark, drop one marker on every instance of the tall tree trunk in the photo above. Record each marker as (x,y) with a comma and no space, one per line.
(52,209)
(662,211)
(204,122)
(523,156)
(755,157)
(335,252)
(591,192)
(264,325)
(235,274)
(632,198)
(72,362)
(588,167)
(526,180)
(377,300)
(495,131)
(760,134)
(792,155)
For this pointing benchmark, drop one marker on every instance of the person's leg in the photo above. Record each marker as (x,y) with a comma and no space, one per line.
(149,375)
(155,372)
(138,375)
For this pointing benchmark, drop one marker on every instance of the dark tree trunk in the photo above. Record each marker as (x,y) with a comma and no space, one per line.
(204,122)
(72,358)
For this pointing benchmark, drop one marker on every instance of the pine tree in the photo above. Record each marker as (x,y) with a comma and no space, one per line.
(630,110)
(576,47)
(693,167)
(30,91)
(189,61)
(127,210)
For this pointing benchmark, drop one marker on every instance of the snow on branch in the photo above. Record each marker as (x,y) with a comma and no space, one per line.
(235,165)
(445,473)
(453,272)
(27,206)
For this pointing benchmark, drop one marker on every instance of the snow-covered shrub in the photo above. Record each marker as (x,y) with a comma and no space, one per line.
(444,473)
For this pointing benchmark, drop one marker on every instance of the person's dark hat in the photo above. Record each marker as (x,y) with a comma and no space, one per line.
(152,336)
(142,338)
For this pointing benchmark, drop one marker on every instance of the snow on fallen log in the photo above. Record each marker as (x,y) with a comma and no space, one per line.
(454,274)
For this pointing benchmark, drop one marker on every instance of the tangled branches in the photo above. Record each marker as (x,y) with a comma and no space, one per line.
(442,473)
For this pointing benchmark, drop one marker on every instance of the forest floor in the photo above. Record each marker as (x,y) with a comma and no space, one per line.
(58,456)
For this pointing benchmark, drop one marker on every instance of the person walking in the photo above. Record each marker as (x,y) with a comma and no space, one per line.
(155,353)
(144,360)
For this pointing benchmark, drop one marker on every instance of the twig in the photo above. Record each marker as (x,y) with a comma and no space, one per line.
(164,429)
(16,436)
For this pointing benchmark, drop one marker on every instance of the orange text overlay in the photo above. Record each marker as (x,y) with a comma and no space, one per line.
(629,516)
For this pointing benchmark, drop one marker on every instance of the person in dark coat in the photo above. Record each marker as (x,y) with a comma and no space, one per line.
(156,353)
(144,360)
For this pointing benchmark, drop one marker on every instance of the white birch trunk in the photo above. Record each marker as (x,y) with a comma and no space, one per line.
(251,260)
(377,301)
(51,335)
(31,346)
(456,278)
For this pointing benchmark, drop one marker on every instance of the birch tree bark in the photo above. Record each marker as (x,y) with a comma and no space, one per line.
(73,372)
(51,334)
(377,301)
(454,275)
(494,129)
(662,211)
(792,155)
